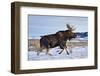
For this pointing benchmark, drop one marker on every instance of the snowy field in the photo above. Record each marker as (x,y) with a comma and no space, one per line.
(77,49)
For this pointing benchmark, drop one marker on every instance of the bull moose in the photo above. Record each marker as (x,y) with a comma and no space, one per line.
(58,39)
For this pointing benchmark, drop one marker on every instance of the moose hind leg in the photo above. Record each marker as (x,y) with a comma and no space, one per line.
(38,52)
(47,52)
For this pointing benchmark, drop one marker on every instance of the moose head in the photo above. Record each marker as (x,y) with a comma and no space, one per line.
(67,34)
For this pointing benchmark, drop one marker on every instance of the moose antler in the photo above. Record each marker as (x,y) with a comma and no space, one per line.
(68,26)
(72,28)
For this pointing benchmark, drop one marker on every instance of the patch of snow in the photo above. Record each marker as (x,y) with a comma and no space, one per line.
(85,38)
(77,53)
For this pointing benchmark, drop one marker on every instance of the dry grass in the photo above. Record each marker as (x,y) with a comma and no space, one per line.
(70,44)
(35,44)
(77,44)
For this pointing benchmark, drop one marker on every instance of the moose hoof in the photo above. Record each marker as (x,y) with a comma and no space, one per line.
(57,51)
(50,54)
(67,53)
(37,54)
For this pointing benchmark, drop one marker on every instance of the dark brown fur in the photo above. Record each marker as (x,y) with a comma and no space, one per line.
(58,39)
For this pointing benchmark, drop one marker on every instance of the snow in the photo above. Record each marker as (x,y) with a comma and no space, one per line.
(74,53)
(86,38)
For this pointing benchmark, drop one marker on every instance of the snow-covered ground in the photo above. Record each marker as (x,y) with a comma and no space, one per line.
(77,53)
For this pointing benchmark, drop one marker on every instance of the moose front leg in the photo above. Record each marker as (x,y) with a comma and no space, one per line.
(63,46)
(61,51)
(66,50)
